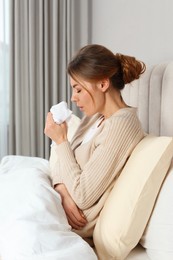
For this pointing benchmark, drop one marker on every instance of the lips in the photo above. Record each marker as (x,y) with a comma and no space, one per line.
(80,107)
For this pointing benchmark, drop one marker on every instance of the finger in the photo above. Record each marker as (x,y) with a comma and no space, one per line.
(76,221)
(50,117)
(64,128)
(64,125)
(77,218)
(74,225)
(82,215)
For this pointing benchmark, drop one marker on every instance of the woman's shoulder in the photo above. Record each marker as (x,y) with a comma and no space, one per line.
(124,122)
(126,111)
(127,114)
(125,118)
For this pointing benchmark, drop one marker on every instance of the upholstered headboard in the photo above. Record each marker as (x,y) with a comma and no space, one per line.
(124,218)
(152,94)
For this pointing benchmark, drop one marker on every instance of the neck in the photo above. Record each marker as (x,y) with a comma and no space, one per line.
(113,103)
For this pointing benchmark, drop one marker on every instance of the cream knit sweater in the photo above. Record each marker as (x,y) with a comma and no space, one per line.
(89,170)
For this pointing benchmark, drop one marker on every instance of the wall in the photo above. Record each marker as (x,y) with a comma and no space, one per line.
(140,28)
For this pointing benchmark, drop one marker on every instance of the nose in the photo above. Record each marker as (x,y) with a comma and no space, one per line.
(73,98)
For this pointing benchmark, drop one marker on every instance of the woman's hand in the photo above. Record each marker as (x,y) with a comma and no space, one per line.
(56,132)
(75,216)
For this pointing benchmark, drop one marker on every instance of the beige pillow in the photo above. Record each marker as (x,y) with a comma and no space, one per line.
(130,203)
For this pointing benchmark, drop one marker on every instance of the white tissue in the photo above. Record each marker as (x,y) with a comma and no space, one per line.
(60,112)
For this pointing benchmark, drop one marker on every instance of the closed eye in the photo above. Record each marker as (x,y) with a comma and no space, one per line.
(77,88)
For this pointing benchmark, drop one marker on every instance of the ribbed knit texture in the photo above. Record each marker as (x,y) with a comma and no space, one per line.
(90,170)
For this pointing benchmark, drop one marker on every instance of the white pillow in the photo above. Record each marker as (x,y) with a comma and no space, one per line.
(158,236)
(128,208)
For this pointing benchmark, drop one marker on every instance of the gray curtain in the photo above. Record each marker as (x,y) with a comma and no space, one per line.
(43,36)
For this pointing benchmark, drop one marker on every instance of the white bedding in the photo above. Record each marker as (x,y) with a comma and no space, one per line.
(138,253)
(33,225)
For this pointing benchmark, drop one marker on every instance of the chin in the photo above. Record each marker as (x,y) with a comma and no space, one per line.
(89,114)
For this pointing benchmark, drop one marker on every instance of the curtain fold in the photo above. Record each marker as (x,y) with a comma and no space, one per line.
(43,37)
(4,76)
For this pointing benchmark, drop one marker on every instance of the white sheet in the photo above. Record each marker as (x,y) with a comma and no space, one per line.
(138,253)
(33,224)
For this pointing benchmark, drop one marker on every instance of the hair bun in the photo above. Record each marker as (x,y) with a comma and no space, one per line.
(131,68)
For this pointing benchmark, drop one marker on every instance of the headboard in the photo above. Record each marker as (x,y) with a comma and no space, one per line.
(131,203)
(152,94)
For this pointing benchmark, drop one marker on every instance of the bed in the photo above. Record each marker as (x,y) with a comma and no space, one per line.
(153,96)
(37,203)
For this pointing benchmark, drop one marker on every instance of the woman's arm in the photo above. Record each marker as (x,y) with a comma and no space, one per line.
(58,133)
(74,215)
(110,150)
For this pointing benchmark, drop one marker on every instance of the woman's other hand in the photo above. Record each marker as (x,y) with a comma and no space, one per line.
(56,132)
(74,215)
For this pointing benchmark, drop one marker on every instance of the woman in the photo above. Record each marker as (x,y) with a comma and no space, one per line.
(87,168)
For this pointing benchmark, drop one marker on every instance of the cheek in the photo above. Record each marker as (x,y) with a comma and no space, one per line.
(88,99)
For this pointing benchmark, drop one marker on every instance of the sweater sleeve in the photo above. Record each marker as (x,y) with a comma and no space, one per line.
(113,146)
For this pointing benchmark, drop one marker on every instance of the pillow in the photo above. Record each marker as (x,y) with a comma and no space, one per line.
(158,236)
(127,210)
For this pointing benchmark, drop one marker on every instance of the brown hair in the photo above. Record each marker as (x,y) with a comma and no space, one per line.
(95,62)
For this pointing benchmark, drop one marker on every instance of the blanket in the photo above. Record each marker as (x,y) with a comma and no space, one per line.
(33,224)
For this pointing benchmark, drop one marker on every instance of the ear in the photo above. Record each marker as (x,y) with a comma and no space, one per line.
(103,85)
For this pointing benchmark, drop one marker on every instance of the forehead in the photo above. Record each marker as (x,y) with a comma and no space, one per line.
(77,81)
(72,81)
(87,85)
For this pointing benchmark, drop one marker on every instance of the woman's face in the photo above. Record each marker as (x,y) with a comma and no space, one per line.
(87,96)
